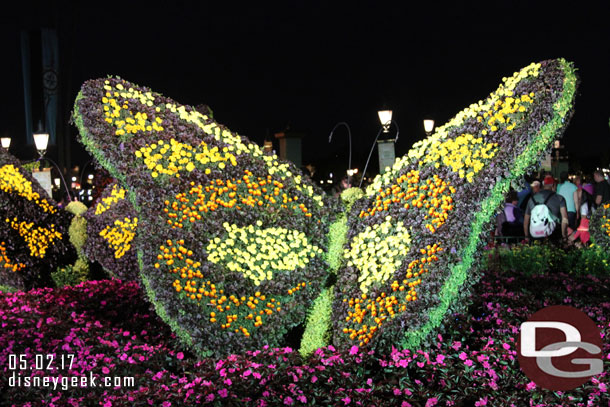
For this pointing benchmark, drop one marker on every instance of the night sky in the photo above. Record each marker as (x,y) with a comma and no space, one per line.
(309,64)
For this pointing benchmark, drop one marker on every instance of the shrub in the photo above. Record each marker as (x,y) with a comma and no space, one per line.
(230,241)
(599,227)
(33,230)
(117,259)
(414,239)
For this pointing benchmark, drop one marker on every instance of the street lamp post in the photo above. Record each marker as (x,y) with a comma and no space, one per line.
(349,163)
(41,139)
(385,117)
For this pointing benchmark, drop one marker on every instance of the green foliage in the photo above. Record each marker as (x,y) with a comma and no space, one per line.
(76,208)
(317,333)
(539,259)
(71,275)
(30,167)
(349,196)
(599,227)
(8,289)
(78,232)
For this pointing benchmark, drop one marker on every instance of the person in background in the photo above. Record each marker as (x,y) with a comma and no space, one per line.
(581,234)
(602,189)
(556,205)
(569,193)
(534,188)
(510,221)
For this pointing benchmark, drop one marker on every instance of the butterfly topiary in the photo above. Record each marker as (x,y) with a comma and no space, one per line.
(414,240)
(231,242)
(111,227)
(234,245)
(34,237)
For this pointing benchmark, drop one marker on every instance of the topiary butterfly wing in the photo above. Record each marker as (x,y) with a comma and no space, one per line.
(230,240)
(34,237)
(414,240)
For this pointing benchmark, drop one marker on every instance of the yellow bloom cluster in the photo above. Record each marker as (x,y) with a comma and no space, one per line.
(378,251)
(499,114)
(121,116)
(420,149)
(258,253)
(120,235)
(170,159)
(38,238)
(606,224)
(12,181)
(465,155)
(234,142)
(6,263)
(116,194)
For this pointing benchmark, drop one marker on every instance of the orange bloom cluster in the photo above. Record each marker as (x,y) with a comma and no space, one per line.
(6,263)
(196,289)
(370,313)
(189,206)
(407,190)
(297,288)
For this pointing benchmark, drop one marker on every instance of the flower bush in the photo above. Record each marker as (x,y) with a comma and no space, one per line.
(79,271)
(600,227)
(111,227)
(413,241)
(33,230)
(211,208)
(111,331)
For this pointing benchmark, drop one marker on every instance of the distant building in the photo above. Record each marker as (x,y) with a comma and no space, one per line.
(290,146)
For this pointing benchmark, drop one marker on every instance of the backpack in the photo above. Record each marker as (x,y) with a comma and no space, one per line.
(542,222)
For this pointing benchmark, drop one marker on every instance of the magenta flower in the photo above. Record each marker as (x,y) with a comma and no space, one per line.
(431,402)
(346,401)
(288,401)
(530,386)
(463,356)
(180,355)
(223,393)
(353,350)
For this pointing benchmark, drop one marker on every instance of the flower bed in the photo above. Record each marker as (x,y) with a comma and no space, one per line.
(231,242)
(109,327)
(413,240)
(111,227)
(33,230)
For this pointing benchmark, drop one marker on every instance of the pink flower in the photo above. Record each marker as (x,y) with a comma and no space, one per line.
(228,382)
(405,404)
(166,404)
(530,386)
(431,402)
(223,393)
(105,370)
(440,358)
(463,356)
(468,362)
(506,346)
(302,399)
(456,345)
(288,401)
(353,350)
(481,402)
(397,392)
(180,355)
(314,379)
(603,388)
(346,401)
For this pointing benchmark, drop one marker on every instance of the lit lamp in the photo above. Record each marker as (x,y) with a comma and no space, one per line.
(57,182)
(6,143)
(42,141)
(385,117)
(428,126)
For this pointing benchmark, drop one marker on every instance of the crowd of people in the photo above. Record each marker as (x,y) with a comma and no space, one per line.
(554,210)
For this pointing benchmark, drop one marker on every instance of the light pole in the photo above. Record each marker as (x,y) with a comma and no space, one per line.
(385,117)
(41,139)
(428,126)
(6,143)
(349,163)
